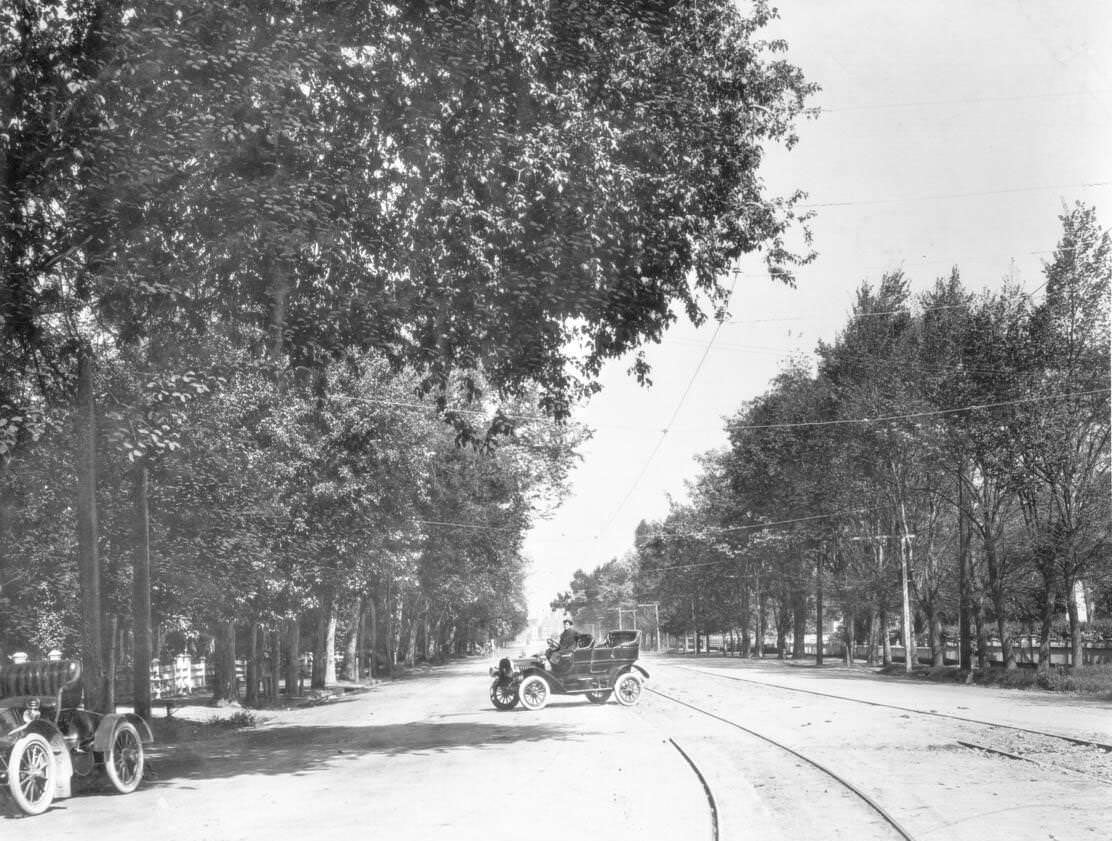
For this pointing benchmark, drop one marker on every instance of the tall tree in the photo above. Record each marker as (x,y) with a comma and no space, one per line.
(309,177)
(1063,438)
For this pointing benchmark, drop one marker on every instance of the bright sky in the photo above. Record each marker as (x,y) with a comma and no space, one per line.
(952,133)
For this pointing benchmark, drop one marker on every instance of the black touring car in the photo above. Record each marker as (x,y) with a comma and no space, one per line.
(597,669)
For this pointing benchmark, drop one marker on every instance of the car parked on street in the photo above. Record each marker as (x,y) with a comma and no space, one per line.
(47,738)
(597,669)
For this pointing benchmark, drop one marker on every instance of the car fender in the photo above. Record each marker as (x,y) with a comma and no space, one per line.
(633,667)
(103,737)
(58,747)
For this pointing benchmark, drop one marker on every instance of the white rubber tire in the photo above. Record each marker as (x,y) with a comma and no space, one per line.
(533,692)
(627,689)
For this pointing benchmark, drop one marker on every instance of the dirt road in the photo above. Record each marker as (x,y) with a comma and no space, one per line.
(427,757)
(927,771)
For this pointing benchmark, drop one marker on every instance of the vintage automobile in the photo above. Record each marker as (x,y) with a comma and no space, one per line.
(594,669)
(47,739)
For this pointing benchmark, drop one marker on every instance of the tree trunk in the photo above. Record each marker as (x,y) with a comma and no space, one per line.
(394,639)
(1077,649)
(330,645)
(433,650)
(799,622)
(965,627)
(324,652)
(141,595)
(280,288)
(885,639)
(275,664)
(92,635)
(225,689)
(911,653)
(1007,650)
(1046,625)
(370,627)
(351,642)
(113,659)
(762,620)
(783,616)
(293,658)
(252,675)
(746,623)
(982,634)
(874,637)
(938,648)
(998,594)
(412,626)
(849,641)
(819,653)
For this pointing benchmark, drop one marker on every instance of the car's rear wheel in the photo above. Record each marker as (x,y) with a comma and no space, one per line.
(32,774)
(124,760)
(627,689)
(599,697)
(503,695)
(533,692)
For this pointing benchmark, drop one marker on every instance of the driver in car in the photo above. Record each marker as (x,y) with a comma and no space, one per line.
(561,658)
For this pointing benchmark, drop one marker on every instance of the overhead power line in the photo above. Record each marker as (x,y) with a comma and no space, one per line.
(910,415)
(475,526)
(942,196)
(976,100)
(671,420)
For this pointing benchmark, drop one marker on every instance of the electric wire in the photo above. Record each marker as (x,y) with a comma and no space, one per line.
(912,415)
(977,100)
(946,196)
(664,432)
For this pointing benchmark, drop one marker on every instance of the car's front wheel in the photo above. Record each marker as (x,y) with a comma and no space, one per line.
(32,774)
(503,695)
(599,697)
(627,690)
(533,692)
(124,760)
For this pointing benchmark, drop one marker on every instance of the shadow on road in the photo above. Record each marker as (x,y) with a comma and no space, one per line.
(300,749)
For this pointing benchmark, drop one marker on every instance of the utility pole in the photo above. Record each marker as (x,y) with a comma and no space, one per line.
(905,562)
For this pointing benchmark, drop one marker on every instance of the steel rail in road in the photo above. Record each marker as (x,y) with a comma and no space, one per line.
(876,807)
(706,789)
(716,673)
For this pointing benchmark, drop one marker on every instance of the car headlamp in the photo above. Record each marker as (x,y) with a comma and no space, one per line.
(32,711)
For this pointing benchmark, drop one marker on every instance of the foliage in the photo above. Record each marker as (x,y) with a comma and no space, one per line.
(952,430)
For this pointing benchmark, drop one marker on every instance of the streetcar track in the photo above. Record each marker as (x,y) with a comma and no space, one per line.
(869,801)
(1072,739)
(706,789)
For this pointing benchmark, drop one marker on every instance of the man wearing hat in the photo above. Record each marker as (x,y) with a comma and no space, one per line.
(567,638)
(561,658)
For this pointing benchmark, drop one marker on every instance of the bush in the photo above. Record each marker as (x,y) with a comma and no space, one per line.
(1091,680)
(236,721)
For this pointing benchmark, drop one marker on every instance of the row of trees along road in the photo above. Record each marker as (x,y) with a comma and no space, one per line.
(280,281)
(944,466)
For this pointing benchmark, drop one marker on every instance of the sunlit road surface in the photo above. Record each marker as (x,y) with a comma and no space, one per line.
(426,757)
(918,768)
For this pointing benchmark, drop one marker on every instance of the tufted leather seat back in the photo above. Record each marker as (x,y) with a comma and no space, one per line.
(38,677)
